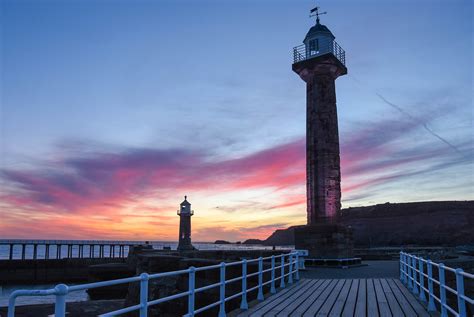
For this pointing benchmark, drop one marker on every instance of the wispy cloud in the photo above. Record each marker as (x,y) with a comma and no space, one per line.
(77,184)
(118,184)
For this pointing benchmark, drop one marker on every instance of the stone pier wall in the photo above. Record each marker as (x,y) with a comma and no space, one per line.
(48,271)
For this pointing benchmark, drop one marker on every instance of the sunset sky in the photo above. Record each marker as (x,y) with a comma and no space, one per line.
(112,111)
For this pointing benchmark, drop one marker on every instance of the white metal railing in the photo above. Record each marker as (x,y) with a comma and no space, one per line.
(304,52)
(413,275)
(290,260)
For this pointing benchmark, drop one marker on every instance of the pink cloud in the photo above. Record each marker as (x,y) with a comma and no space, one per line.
(97,183)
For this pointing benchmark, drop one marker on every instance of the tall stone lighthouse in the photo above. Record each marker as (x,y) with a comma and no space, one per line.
(185,213)
(319,62)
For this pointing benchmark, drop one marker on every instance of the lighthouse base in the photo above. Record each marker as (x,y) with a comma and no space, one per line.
(186,247)
(325,241)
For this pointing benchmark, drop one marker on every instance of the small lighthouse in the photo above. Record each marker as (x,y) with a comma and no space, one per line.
(185,213)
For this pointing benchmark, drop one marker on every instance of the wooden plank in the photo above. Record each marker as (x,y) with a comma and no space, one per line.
(361,304)
(271,299)
(327,285)
(404,304)
(419,309)
(349,307)
(384,308)
(297,302)
(324,301)
(372,297)
(331,300)
(277,306)
(392,302)
(338,306)
(372,307)
(275,299)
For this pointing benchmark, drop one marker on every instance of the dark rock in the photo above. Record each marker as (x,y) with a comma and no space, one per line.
(221,242)
(253,241)
(442,223)
(282,237)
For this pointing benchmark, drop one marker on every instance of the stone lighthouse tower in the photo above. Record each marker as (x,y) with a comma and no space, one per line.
(185,213)
(319,62)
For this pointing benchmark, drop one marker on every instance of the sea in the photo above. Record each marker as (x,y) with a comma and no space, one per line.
(6,290)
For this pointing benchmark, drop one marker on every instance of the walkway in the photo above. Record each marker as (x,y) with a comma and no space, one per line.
(341,297)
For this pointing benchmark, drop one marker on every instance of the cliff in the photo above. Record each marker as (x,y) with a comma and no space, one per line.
(438,223)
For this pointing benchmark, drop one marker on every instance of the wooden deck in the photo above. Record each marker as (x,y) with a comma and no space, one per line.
(341,297)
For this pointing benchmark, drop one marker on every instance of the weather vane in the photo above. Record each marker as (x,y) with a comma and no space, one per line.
(315,12)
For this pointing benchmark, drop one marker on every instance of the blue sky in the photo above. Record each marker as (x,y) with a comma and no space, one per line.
(87,80)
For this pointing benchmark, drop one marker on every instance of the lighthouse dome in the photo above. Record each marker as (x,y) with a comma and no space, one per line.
(185,202)
(319,30)
(318,41)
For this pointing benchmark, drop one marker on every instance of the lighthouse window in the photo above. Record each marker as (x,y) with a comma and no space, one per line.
(314,46)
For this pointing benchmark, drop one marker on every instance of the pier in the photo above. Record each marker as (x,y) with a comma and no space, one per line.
(277,290)
(65,249)
(53,261)
(341,297)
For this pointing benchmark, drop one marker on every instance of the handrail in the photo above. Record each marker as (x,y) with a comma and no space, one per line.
(303,52)
(412,274)
(292,262)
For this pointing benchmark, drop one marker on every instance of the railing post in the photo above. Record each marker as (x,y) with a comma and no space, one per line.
(415,286)
(260,279)
(431,304)
(11,306)
(144,294)
(60,304)
(191,287)
(401,267)
(290,268)
(442,290)
(422,280)
(222,292)
(460,290)
(409,274)
(406,277)
(407,269)
(272,284)
(301,265)
(297,263)
(282,280)
(243,304)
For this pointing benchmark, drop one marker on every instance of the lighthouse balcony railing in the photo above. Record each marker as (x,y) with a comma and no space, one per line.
(179,213)
(418,275)
(284,268)
(305,52)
